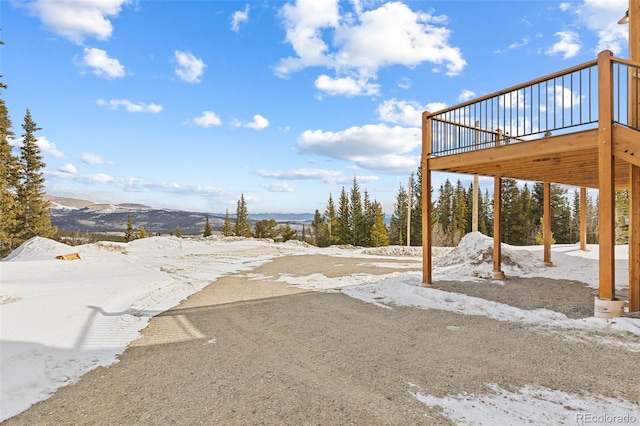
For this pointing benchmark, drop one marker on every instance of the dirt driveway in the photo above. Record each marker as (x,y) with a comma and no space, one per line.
(254,351)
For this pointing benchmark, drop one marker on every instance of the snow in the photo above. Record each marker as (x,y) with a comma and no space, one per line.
(61,319)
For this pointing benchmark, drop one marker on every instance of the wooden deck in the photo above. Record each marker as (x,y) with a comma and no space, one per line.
(578,127)
(569,159)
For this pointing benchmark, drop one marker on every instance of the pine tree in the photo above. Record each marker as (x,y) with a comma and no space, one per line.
(398,224)
(443,215)
(459,213)
(129,234)
(33,208)
(331,218)
(243,225)
(356,216)
(622,216)
(319,231)
(368,219)
(416,209)
(142,233)
(266,228)
(287,233)
(178,232)
(343,233)
(207,228)
(9,179)
(227,229)
(379,235)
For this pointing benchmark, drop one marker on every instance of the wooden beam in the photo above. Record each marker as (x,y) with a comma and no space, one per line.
(634,239)
(427,273)
(626,144)
(544,147)
(546,228)
(606,225)
(583,219)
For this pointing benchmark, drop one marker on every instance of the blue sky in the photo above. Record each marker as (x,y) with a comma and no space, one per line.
(188,104)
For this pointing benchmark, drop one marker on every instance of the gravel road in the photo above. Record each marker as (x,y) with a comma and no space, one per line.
(254,351)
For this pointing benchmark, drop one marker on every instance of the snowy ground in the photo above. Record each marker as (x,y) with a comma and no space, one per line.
(61,319)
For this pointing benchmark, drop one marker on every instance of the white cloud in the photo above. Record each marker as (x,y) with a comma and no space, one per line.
(76,20)
(258,123)
(466,95)
(347,86)
(44,145)
(239,17)
(130,106)
(101,63)
(601,17)
(207,119)
(564,6)
(68,168)
(278,187)
(568,45)
(404,83)
(323,175)
(89,158)
(362,145)
(190,68)
(405,112)
(356,44)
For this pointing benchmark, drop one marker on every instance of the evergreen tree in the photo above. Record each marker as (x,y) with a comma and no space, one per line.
(243,225)
(331,219)
(398,224)
(129,234)
(443,213)
(227,229)
(574,229)
(379,235)
(511,215)
(320,231)
(33,208)
(142,233)
(356,215)
(207,228)
(266,228)
(485,214)
(622,217)
(416,209)
(343,233)
(178,232)
(9,179)
(459,213)
(287,233)
(368,219)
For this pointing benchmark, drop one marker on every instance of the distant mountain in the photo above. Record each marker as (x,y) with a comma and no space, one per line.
(70,214)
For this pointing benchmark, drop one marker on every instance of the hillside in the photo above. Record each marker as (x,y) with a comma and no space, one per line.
(70,214)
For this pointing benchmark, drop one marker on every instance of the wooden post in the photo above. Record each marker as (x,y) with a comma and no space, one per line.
(497,219)
(474,211)
(634,239)
(546,227)
(606,181)
(634,172)
(583,219)
(426,200)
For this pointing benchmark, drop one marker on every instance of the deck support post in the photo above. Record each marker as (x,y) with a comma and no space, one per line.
(634,239)
(583,219)
(497,222)
(634,172)
(427,273)
(606,179)
(546,227)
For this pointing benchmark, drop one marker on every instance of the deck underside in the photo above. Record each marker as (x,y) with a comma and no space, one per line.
(569,159)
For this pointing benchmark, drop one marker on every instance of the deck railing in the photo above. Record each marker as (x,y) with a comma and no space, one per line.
(566,101)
